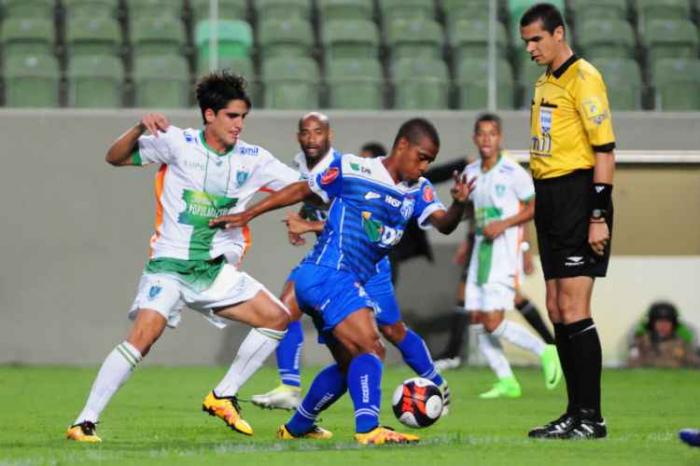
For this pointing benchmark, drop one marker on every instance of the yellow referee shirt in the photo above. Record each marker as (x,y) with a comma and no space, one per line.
(569,120)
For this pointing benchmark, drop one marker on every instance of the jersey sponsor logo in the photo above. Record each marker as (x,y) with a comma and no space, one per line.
(574,261)
(372,195)
(392,201)
(248,150)
(407,207)
(360,168)
(329,175)
(241,178)
(428,194)
(200,207)
(379,233)
(154,291)
(194,164)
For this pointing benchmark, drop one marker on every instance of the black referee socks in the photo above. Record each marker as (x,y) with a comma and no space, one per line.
(530,312)
(587,358)
(561,339)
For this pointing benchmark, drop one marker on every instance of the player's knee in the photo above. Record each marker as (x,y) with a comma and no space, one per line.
(491,321)
(374,345)
(279,319)
(395,333)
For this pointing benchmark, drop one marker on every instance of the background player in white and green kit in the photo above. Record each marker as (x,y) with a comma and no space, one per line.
(203,174)
(503,200)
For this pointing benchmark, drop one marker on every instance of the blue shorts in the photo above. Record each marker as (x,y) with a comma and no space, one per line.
(381,291)
(328,296)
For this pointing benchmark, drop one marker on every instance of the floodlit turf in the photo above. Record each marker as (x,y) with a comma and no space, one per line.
(156,419)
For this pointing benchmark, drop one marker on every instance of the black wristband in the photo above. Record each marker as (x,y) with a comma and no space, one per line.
(601,198)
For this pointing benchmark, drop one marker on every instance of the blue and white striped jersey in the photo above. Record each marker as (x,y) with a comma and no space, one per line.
(368,213)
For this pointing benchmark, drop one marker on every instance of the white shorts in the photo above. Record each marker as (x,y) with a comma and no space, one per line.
(488,297)
(167,294)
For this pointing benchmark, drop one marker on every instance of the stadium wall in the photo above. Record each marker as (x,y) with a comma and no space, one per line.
(75,233)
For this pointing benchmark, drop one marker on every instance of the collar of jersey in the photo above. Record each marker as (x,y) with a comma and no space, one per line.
(206,146)
(302,159)
(401,186)
(564,66)
(498,162)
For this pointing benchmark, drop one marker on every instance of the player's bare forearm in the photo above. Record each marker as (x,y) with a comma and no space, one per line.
(295,192)
(524,216)
(119,153)
(445,221)
(298,226)
(604,170)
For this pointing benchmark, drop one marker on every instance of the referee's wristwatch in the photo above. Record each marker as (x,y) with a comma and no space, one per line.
(597,216)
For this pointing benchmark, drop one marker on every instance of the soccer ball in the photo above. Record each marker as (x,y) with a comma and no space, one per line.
(417,402)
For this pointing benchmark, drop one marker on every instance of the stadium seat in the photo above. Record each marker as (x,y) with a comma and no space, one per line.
(228,9)
(409,9)
(623,80)
(290,83)
(472,83)
(28,36)
(676,84)
(239,65)
(235,39)
(330,10)
(594,9)
(163,9)
(420,84)
(31,80)
(350,38)
(95,81)
(670,38)
(161,81)
(611,38)
(28,8)
(415,38)
(157,36)
(283,9)
(355,83)
(648,10)
(469,39)
(93,35)
(91,8)
(465,9)
(285,38)
(528,73)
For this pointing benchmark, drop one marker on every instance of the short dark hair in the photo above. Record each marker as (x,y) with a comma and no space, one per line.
(216,89)
(415,129)
(374,148)
(550,16)
(488,117)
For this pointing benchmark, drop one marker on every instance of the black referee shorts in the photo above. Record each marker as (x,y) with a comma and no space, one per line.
(562,214)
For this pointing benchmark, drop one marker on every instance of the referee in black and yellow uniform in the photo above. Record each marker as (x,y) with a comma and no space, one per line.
(572,162)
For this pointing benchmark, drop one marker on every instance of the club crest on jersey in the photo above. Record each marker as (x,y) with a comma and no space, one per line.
(154,291)
(500,190)
(329,175)
(407,207)
(428,194)
(377,232)
(241,177)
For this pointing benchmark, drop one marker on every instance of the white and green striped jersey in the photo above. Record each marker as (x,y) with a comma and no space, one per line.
(498,194)
(195,184)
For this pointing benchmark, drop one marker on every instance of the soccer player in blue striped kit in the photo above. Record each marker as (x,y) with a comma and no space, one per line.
(315,136)
(371,202)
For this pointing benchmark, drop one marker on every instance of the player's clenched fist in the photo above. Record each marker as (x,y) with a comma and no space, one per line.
(230,221)
(154,122)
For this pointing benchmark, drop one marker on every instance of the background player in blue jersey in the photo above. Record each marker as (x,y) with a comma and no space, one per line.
(372,199)
(315,140)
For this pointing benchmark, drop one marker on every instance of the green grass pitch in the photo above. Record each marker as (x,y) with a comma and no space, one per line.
(156,419)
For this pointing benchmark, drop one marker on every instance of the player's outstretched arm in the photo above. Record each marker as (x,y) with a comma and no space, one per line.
(121,150)
(295,192)
(445,221)
(496,228)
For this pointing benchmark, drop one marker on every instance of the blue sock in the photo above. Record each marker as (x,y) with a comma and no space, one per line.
(327,387)
(416,355)
(289,355)
(365,385)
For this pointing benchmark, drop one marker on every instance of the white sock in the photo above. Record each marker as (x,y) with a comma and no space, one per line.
(115,369)
(254,350)
(492,351)
(519,336)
